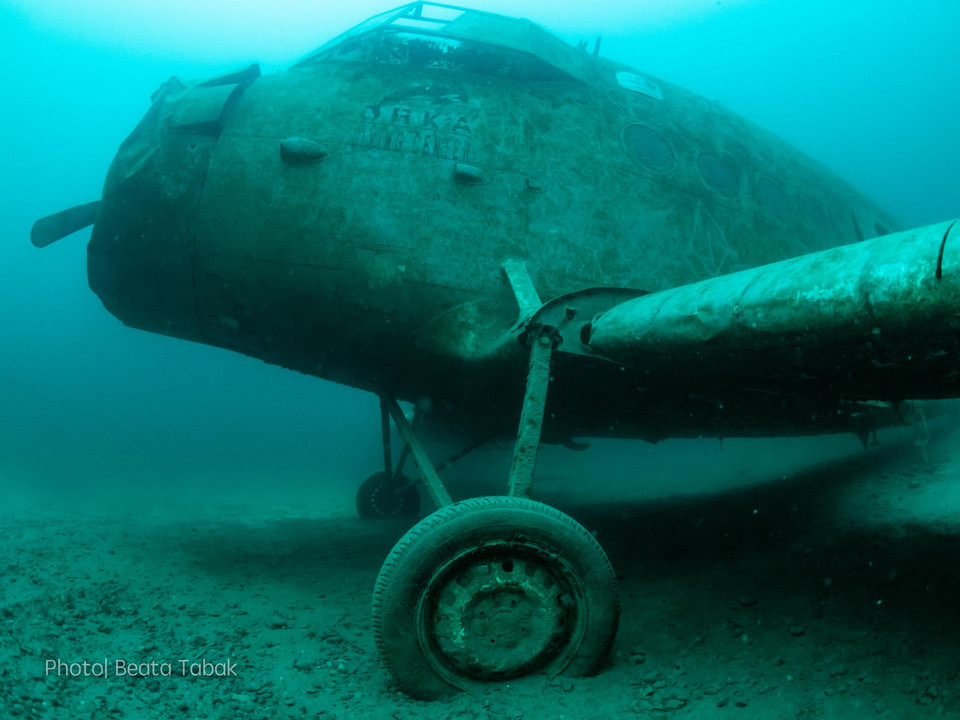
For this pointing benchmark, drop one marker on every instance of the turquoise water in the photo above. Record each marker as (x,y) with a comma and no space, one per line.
(206,468)
(870,89)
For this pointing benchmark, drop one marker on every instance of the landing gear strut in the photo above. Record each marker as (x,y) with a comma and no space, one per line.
(389,493)
(495,588)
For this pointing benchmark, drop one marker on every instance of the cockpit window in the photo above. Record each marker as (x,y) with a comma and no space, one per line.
(773,198)
(430,51)
(427,16)
(426,35)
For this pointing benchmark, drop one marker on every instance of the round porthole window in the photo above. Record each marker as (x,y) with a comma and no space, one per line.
(720,174)
(772,198)
(648,147)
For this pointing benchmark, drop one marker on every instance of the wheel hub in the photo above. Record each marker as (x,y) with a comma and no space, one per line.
(381,496)
(501,617)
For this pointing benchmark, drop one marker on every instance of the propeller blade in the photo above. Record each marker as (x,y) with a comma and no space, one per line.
(49,229)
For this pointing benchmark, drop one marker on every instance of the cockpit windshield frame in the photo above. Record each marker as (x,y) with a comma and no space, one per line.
(486,42)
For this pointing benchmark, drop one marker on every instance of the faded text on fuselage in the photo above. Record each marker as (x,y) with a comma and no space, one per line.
(401,128)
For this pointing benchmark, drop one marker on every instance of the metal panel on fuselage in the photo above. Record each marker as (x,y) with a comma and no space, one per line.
(340,268)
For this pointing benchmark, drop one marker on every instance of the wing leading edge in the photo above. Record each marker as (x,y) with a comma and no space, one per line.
(875,320)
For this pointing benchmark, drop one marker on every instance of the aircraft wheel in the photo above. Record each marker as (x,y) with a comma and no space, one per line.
(376,498)
(492,589)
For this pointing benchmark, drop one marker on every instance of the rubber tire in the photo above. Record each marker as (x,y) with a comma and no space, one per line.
(374,502)
(450,531)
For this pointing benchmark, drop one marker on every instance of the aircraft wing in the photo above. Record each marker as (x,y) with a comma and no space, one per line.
(832,341)
(875,320)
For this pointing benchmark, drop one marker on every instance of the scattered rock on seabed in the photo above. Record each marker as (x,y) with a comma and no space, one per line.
(731,623)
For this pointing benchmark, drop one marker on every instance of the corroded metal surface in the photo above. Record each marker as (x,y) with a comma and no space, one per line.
(431,481)
(531,416)
(502,616)
(874,320)
(350,218)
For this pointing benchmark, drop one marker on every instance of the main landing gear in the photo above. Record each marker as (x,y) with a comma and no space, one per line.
(389,493)
(494,588)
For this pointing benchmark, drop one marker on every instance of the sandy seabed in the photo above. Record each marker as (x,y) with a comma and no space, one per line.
(830,591)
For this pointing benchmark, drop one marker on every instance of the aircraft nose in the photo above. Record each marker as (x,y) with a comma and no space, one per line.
(142,252)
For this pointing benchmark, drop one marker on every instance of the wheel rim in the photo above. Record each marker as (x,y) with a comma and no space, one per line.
(388,502)
(379,497)
(498,612)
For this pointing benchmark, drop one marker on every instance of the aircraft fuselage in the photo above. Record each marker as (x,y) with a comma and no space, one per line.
(349,217)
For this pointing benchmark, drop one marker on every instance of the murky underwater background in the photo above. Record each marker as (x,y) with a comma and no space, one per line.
(870,89)
(151,457)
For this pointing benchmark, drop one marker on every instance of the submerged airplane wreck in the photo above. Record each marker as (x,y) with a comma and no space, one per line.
(459,210)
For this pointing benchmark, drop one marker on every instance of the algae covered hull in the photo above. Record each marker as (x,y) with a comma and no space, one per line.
(875,320)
